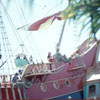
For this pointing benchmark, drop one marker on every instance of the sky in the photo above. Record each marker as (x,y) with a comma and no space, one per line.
(17,13)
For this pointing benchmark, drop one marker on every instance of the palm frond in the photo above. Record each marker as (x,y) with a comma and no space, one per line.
(88,8)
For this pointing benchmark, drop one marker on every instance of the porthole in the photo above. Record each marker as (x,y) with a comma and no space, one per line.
(43,87)
(67,82)
(56,85)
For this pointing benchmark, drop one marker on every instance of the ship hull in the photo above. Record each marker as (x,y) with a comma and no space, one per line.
(62,90)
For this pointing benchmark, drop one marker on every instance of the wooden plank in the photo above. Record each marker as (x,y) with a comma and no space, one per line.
(0,93)
(24,93)
(6,91)
(19,92)
(13,92)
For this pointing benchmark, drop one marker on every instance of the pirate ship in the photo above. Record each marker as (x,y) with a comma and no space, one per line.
(64,79)
(76,77)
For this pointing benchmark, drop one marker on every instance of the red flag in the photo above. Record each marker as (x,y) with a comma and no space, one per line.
(44,23)
(47,21)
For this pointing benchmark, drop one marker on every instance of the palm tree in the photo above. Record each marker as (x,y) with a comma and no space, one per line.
(86,10)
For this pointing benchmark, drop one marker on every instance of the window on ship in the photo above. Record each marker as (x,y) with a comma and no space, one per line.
(92,90)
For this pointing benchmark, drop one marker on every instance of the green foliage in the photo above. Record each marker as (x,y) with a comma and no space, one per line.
(87,9)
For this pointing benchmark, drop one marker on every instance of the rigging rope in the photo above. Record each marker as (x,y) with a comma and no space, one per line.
(13,26)
(29,34)
(8,57)
(7,52)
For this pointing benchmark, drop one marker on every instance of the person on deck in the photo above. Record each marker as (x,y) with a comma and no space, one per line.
(64,58)
(58,56)
(49,57)
(20,71)
(31,59)
(18,57)
(26,59)
(15,78)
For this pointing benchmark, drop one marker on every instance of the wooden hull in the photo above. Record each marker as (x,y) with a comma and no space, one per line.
(75,85)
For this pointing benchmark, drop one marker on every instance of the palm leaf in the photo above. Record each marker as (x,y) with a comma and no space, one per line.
(91,10)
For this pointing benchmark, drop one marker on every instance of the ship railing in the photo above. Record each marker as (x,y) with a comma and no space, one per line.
(31,69)
(6,78)
(58,69)
(17,87)
(46,68)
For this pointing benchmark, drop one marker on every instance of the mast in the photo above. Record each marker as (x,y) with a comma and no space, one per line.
(62,31)
(60,38)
